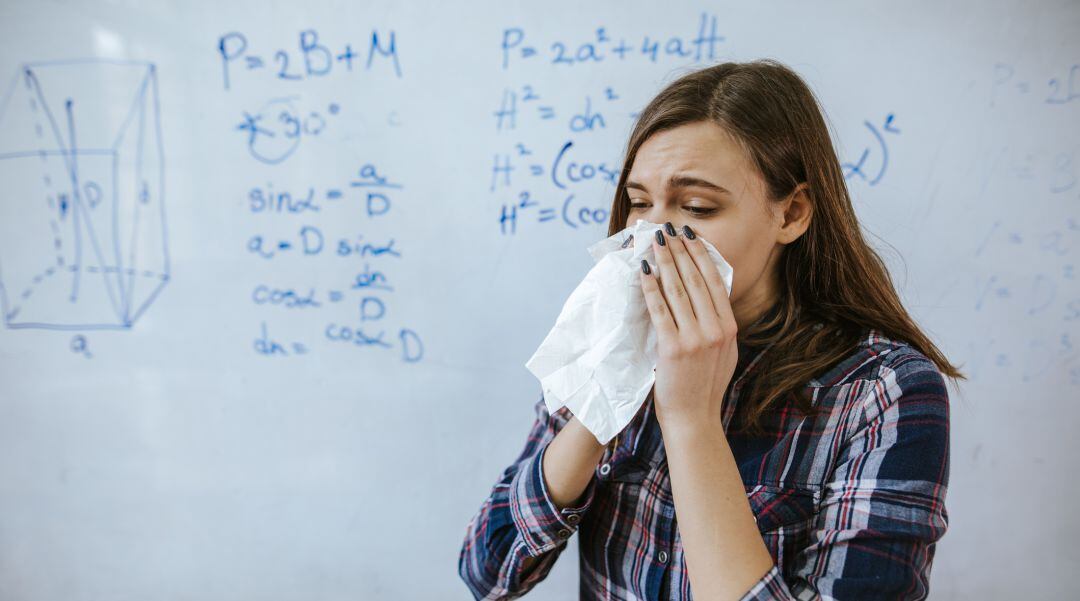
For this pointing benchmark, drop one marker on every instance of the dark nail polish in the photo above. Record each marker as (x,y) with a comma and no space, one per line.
(670,229)
(660,237)
(628,241)
(645,267)
(688,232)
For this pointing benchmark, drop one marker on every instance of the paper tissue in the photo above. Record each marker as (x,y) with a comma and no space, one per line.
(599,357)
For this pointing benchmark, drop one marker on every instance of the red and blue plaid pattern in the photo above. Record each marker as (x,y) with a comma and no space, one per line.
(850,503)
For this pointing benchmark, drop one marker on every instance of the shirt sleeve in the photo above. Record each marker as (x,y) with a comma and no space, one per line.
(883,510)
(520,520)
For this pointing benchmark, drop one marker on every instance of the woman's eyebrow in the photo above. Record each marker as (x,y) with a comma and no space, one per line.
(682,181)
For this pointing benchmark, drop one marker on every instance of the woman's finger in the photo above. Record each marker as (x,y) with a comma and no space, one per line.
(674,290)
(659,313)
(696,287)
(715,282)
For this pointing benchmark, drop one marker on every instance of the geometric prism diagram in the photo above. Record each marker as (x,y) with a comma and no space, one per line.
(83,237)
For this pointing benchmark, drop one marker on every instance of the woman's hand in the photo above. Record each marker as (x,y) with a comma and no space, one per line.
(695,329)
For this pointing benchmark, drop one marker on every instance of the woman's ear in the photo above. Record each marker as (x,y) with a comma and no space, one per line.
(797,212)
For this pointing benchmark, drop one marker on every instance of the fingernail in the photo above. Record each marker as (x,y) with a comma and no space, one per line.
(628,241)
(670,229)
(660,237)
(645,266)
(688,232)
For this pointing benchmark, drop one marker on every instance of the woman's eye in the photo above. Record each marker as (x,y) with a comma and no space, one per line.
(698,211)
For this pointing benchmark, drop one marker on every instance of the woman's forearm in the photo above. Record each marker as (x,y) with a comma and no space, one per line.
(569,463)
(725,553)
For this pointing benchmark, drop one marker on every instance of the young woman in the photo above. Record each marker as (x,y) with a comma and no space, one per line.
(795,444)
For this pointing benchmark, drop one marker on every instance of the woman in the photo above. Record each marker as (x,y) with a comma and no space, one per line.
(796,441)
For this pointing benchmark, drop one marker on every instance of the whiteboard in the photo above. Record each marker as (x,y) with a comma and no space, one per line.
(270,272)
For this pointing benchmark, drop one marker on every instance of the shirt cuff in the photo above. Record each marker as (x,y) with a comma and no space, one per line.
(541,523)
(769,587)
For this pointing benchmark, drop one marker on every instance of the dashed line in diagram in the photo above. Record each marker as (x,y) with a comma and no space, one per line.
(83,233)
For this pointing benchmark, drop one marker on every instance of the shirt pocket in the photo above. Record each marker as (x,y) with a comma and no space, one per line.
(785,516)
(782,506)
(628,469)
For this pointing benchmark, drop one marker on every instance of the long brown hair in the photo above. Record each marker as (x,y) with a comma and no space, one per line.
(834,286)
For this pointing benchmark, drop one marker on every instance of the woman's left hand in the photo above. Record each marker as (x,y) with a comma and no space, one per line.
(695,330)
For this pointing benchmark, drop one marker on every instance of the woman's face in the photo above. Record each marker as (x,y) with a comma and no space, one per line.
(696,174)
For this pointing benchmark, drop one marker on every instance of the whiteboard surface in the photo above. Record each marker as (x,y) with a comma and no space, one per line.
(295,277)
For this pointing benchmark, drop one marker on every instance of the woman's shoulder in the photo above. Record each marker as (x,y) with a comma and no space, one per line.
(882,378)
(880,361)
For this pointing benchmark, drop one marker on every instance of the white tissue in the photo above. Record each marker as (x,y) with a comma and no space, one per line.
(599,358)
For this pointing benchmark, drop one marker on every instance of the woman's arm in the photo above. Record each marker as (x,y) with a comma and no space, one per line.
(882,513)
(570,462)
(569,465)
(513,540)
(725,554)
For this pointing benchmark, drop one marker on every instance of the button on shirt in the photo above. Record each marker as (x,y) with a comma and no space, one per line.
(850,503)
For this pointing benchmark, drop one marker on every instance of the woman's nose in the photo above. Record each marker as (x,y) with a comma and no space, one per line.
(663,216)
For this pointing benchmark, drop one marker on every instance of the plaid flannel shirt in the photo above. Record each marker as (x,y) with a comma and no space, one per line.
(850,503)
